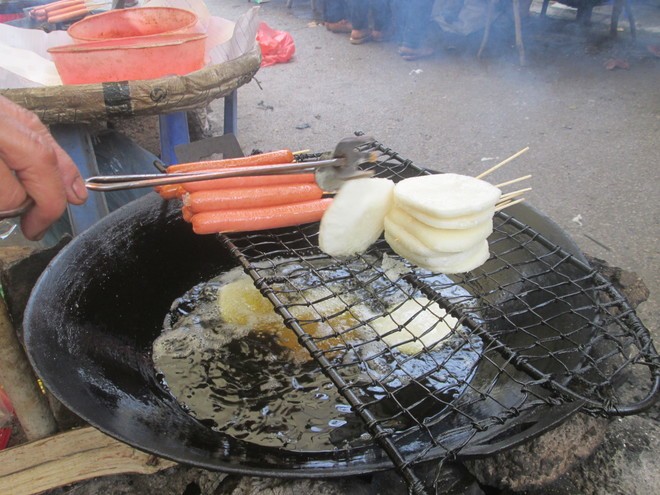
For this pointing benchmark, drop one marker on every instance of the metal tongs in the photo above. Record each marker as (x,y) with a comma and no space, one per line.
(329,174)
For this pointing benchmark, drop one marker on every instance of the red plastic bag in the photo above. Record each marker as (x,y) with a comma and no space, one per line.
(276,46)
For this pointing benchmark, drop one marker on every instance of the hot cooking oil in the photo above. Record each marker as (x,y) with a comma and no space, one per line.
(232,363)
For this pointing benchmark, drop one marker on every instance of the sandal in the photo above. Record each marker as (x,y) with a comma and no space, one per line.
(412,54)
(342,26)
(360,36)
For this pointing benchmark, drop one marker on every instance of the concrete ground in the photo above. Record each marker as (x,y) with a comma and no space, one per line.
(593,133)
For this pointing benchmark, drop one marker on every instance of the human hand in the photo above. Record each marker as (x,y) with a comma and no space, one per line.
(33,165)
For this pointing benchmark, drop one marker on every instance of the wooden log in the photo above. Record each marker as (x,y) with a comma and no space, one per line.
(70,457)
(19,382)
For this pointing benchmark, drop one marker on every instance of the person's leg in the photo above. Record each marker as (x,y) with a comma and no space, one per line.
(417,22)
(360,21)
(417,17)
(382,16)
(335,16)
(333,11)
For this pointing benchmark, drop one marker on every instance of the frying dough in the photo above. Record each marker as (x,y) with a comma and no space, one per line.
(355,219)
(398,221)
(446,196)
(423,324)
(242,305)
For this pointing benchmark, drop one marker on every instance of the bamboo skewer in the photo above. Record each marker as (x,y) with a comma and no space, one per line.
(506,204)
(507,199)
(510,195)
(502,163)
(513,181)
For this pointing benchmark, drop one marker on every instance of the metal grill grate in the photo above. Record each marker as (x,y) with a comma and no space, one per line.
(535,329)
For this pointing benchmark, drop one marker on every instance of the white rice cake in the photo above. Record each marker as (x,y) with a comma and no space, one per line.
(456,223)
(356,216)
(400,223)
(414,325)
(447,263)
(446,195)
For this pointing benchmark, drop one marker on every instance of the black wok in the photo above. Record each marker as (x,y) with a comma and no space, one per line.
(97,308)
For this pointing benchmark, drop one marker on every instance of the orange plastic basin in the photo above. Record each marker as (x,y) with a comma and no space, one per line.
(129,59)
(130,23)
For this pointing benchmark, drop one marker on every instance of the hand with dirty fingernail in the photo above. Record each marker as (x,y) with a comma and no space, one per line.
(33,165)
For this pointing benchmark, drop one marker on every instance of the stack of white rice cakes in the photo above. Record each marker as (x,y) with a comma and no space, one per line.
(438,222)
(441,222)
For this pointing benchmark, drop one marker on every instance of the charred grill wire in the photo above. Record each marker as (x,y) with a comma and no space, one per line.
(538,329)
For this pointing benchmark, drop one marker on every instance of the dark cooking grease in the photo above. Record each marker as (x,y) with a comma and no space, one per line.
(248,377)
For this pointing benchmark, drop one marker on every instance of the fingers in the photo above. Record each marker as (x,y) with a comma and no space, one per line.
(32,164)
(74,185)
(73,182)
(12,194)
